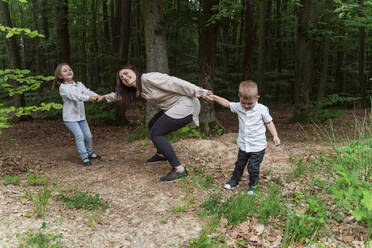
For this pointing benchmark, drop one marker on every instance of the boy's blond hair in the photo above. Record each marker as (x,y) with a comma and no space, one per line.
(248,89)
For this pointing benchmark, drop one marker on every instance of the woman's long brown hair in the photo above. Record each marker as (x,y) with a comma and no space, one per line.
(127,95)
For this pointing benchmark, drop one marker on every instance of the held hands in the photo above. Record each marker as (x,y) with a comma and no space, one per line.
(209,96)
(96,98)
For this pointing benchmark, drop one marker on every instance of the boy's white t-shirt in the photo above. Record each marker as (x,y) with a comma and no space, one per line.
(252,126)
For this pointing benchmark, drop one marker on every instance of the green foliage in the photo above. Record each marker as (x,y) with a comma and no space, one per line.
(36,179)
(141,132)
(298,229)
(26,83)
(270,204)
(39,239)
(11,31)
(11,180)
(185,132)
(84,200)
(205,240)
(41,200)
(234,209)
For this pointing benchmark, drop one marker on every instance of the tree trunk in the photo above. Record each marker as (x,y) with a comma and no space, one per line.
(207,58)
(116,11)
(125,30)
(325,53)
(362,77)
(13,50)
(125,24)
(84,46)
(36,40)
(304,63)
(63,37)
(278,48)
(261,48)
(249,39)
(106,27)
(93,59)
(339,77)
(45,29)
(156,44)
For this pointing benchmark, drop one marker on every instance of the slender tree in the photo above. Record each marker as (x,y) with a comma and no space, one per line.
(261,47)
(125,30)
(325,55)
(249,39)
(36,40)
(125,25)
(207,57)
(63,36)
(13,49)
(361,73)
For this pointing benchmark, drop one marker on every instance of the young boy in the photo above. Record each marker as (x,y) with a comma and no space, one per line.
(253,120)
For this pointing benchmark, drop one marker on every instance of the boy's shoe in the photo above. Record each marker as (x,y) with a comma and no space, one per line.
(86,162)
(173,175)
(252,191)
(156,159)
(231,184)
(94,156)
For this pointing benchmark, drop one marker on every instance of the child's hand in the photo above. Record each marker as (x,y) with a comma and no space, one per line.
(276,141)
(208,96)
(100,98)
(93,98)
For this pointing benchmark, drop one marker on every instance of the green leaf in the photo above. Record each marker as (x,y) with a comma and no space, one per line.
(9,35)
(359,214)
(367,199)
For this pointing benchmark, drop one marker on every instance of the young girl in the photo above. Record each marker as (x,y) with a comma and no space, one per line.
(73,95)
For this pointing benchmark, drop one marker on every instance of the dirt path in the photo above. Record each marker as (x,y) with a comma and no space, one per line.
(139,215)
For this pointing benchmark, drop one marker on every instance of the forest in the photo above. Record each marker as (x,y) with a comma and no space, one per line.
(312,61)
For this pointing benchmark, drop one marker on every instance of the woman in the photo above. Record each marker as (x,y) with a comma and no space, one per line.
(177,99)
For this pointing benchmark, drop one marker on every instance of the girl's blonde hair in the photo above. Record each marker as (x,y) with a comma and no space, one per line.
(57,73)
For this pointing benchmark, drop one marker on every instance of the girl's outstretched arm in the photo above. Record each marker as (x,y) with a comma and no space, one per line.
(222,101)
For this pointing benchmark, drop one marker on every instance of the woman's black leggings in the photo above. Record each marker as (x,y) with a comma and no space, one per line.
(160,125)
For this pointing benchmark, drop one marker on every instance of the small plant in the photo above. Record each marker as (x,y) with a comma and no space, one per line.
(270,205)
(85,200)
(41,200)
(36,179)
(40,239)
(11,180)
(144,145)
(296,230)
(236,208)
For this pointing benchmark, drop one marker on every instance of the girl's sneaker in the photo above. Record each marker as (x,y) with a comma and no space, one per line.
(86,162)
(94,156)
(231,184)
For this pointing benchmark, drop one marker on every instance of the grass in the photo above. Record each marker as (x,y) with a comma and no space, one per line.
(11,180)
(41,200)
(84,200)
(39,239)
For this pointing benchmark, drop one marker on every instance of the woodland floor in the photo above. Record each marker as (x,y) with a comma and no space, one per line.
(140,213)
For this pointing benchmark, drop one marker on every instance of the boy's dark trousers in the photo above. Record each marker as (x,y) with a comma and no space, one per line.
(254,160)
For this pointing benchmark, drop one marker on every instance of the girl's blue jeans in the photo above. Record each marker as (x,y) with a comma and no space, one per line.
(83,137)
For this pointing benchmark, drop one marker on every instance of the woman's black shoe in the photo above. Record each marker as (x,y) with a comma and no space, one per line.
(156,159)
(173,175)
